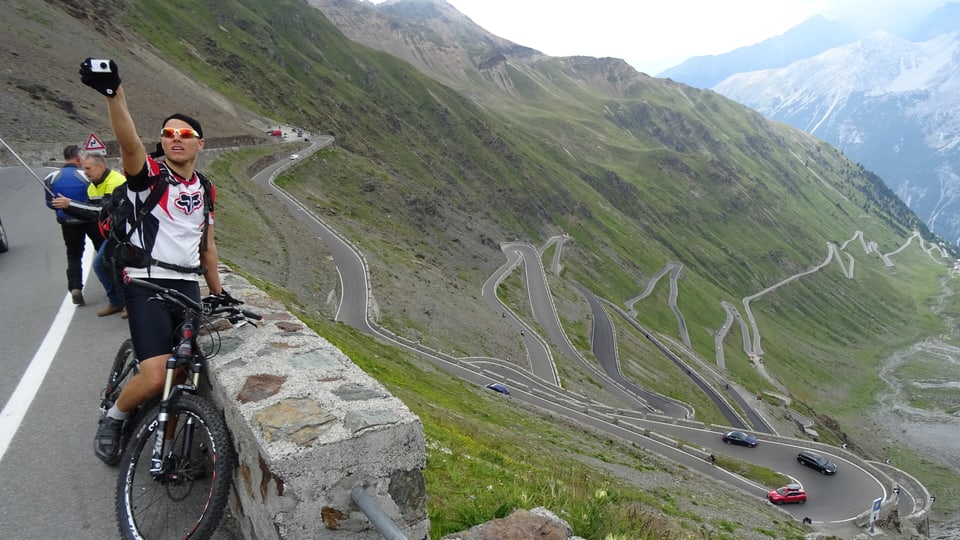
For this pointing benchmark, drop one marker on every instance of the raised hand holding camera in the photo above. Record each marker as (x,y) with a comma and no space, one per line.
(101,74)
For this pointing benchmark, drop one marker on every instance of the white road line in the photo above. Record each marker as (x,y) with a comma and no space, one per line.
(18,404)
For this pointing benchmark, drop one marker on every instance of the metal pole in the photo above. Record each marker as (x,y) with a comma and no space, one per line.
(28,168)
(387,528)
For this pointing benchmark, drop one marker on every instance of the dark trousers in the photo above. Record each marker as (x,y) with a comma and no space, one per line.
(74,237)
(113,289)
(151,323)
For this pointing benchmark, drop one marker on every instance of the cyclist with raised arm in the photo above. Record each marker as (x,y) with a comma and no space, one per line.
(174,240)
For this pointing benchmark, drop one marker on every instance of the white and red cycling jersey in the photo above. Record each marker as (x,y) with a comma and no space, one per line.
(175,226)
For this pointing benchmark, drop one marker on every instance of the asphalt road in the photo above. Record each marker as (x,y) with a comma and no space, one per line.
(54,358)
(603,340)
(538,352)
(51,485)
(837,497)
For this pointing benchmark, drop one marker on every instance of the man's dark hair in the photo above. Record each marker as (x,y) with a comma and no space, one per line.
(192,122)
(158,152)
(71,152)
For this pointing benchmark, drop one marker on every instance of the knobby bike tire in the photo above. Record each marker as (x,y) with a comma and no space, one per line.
(124,367)
(190,503)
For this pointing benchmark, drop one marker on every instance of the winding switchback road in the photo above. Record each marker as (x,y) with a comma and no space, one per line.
(833,499)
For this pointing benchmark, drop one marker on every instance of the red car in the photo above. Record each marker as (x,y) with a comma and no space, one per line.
(790,493)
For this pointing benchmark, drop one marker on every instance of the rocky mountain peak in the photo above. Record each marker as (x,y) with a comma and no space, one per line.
(888,102)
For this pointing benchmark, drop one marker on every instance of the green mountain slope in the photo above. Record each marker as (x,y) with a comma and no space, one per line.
(429,178)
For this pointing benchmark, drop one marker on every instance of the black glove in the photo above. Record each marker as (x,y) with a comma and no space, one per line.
(100,74)
(222,299)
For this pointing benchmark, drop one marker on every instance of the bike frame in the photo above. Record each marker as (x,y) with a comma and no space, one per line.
(193,365)
(182,439)
(186,356)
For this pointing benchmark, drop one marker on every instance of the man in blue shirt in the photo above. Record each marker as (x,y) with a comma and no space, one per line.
(70,182)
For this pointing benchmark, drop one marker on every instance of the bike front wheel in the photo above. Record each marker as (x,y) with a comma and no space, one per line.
(187,498)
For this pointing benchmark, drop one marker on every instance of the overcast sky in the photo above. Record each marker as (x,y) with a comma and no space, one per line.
(655,35)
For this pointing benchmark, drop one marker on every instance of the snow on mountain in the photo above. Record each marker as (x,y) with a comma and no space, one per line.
(889,103)
(879,64)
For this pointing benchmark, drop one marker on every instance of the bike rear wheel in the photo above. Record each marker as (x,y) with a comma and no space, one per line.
(124,366)
(188,498)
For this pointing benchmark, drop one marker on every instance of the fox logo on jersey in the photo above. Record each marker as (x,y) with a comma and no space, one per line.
(188,202)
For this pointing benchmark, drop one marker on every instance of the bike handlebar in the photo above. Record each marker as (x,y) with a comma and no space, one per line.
(251,315)
(185,302)
(164,293)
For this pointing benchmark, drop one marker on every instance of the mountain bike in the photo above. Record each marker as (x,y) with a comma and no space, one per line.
(178,458)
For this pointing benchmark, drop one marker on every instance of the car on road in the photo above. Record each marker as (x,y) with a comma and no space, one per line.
(294,156)
(498,387)
(740,438)
(790,493)
(4,246)
(816,461)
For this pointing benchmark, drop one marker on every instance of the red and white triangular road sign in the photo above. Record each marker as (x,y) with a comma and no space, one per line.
(94,144)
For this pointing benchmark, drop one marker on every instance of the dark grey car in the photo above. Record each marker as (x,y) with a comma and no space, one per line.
(816,461)
(4,246)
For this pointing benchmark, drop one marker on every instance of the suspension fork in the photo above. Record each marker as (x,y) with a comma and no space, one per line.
(186,442)
(166,427)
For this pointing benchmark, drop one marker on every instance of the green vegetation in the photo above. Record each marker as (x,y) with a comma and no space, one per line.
(761,475)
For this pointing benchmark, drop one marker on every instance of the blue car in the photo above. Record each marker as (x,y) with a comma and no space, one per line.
(498,387)
(740,438)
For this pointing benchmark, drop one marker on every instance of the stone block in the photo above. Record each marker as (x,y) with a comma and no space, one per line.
(309,426)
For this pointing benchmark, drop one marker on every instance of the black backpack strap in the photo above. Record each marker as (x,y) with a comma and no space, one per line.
(207,208)
(199,270)
(152,200)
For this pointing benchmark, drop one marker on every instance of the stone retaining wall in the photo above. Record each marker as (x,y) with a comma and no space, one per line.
(309,426)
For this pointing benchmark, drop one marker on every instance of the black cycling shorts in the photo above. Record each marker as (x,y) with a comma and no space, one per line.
(151,324)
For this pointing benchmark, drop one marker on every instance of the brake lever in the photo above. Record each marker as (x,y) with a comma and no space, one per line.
(239,319)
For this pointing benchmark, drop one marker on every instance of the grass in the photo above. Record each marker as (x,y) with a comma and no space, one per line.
(761,475)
